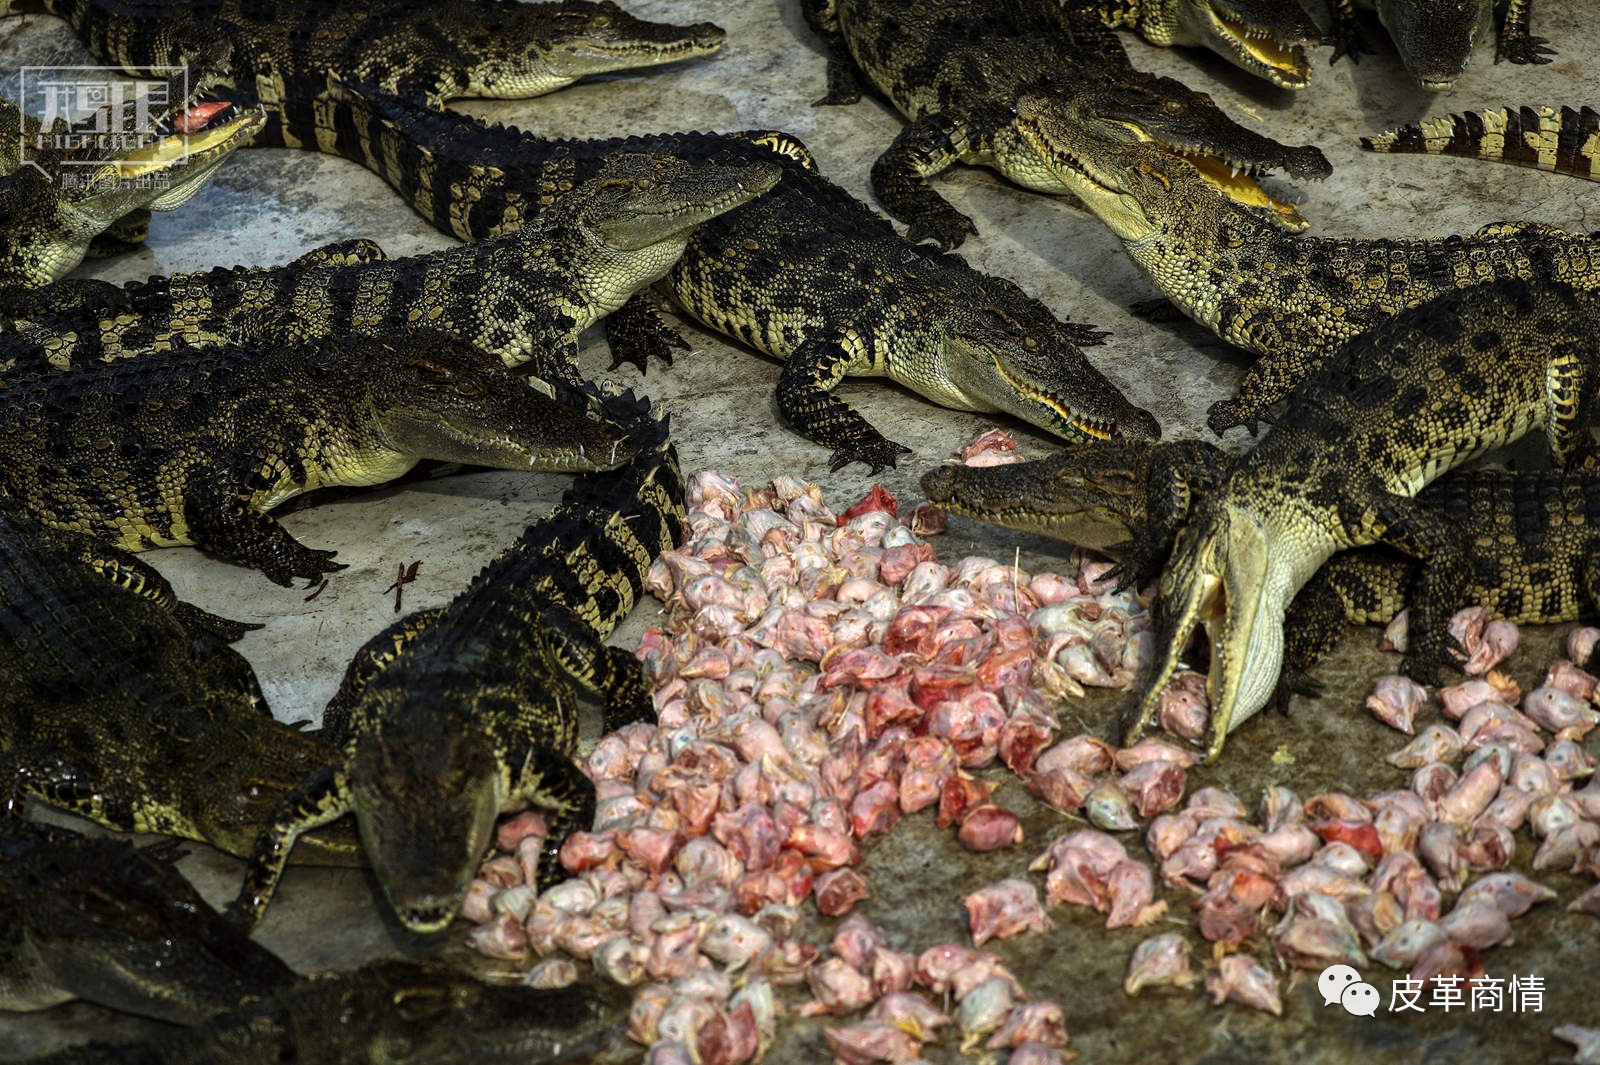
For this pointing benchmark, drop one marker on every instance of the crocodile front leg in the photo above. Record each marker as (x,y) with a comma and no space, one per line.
(559,787)
(142,579)
(1516,43)
(224,521)
(928,146)
(636,331)
(1347,37)
(611,674)
(1171,493)
(321,798)
(1312,627)
(844,86)
(807,402)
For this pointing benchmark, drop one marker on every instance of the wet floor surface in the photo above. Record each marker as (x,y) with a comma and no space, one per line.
(268,206)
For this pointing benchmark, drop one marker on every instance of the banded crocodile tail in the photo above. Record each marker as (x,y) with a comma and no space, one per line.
(591,555)
(1562,142)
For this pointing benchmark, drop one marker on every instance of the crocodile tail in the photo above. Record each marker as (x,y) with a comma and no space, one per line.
(592,554)
(1563,142)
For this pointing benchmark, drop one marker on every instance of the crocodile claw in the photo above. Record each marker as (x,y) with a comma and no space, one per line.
(843,86)
(878,455)
(636,342)
(302,562)
(1525,50)
(948,228)
(1351,42)
(1227,413)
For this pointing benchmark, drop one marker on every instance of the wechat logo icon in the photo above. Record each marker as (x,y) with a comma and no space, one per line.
(1343,984)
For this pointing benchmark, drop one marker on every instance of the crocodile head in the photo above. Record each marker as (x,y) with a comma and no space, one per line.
(526,49)
(1091,495)
(241,775)
(426,804)
(1234,572)
(1141,189)
(49,225)
(124,929)
(642,199)
(1264,37)
(1435,37)
(1012,355)
(1168,113)
(436,396)
(418,1013)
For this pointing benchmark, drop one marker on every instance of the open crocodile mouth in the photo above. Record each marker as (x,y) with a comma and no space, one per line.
(1067,419)
(1281,62)
(199,129)
(1240,186)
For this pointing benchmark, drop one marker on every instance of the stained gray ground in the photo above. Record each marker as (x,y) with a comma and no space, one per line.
(267,206)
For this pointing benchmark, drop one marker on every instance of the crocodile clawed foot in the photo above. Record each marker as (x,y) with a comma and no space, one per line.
(843,86)
(948,228)
(1352,43)
(880,454)
(1226,414)
(304,562)
(637,346)
(1292,682)
(1525,50)
(1427,660)
(1159,309)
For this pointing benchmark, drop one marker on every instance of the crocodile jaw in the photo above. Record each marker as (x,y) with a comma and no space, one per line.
(1251,48)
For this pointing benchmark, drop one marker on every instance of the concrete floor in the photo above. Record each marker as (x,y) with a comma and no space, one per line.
(267,206)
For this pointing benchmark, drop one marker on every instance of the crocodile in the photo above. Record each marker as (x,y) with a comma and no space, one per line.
(195,445)
(65,191)
(397,1012)
(1435,38)
(1532,556)
(806,273)
(1419,394)
(98,919)
(117,707)
(283,50)
(1562,142)
(453,716)
(1292,300)
(524,297)
(1266,38)
(956,70)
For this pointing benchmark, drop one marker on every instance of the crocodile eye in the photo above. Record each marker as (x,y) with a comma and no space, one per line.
(1030,342)
(429,372)
(1172,107)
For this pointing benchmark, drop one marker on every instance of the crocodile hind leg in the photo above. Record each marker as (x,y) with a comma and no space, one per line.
(928,146)
(609,673)
(142,579)
(558,786)
(807,402)
(635,332)
(844,86)
(1312,626)
(224,521)
(1516,43)
(319,799)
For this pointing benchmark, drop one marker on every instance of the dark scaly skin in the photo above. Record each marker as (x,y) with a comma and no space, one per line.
(806,273)
(524,297)
(1418,395)
(1292,300)
(398,1013)
(49,228)
(1435,37)
(194,446)
(98,919)
(1531,556)
(1561,142)
(120,709)
(454,716)
(283,50)
(1267,38)
(956,70)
